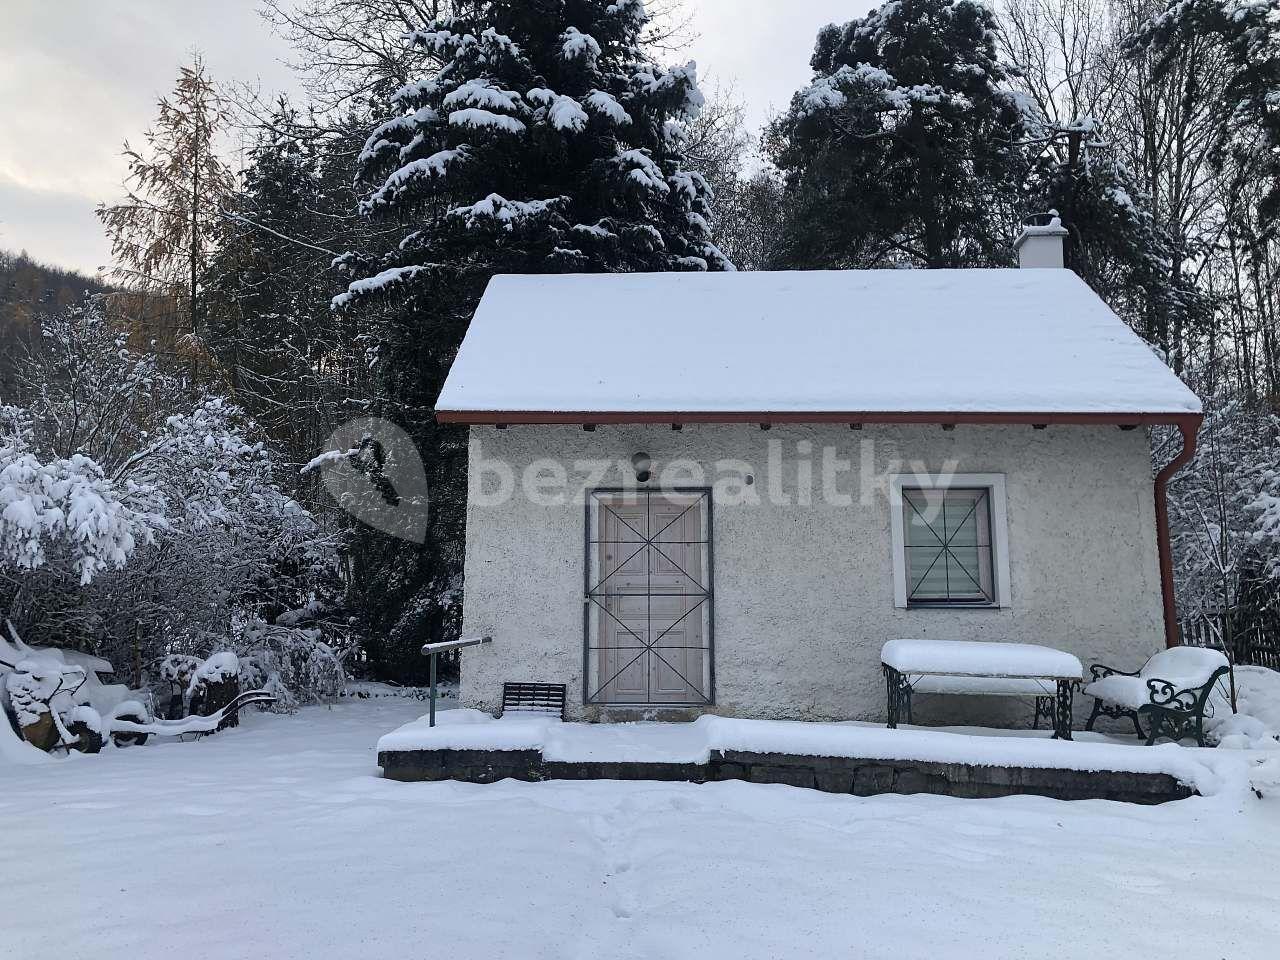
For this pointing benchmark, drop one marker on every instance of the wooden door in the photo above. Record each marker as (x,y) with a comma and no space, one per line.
(651,600)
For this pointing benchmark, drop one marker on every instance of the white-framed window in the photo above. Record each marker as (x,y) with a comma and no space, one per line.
(950,540)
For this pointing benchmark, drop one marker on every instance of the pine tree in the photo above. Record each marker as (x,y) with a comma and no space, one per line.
(905,148)
(547,141)
(161,233)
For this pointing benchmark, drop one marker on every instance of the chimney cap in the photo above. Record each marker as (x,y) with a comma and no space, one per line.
(1047,224)
(1042,241)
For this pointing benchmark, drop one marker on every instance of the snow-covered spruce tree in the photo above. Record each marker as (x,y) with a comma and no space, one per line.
(548,140)
(904,150)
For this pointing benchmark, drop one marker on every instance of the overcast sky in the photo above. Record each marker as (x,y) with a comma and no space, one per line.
(78,77)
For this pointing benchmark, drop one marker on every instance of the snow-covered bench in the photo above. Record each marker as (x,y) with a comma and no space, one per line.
(1172,692)
(981,668)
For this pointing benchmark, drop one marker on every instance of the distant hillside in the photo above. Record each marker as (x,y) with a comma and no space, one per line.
(29,289)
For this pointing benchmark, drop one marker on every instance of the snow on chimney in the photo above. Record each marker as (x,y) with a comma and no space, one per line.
(1041,242)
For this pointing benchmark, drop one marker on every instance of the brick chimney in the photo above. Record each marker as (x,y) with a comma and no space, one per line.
(1041,242)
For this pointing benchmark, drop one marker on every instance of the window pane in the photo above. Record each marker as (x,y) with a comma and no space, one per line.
(960,519)
(923,517)
(927,573)
(948,545)
(964,571)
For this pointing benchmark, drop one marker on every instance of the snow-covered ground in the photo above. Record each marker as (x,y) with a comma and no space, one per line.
(279,839)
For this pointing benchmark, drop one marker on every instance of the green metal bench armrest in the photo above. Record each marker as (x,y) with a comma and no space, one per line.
(1177,713)
(1166,695)
(1100,670)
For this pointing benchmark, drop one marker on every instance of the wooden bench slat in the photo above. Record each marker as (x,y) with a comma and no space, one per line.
(532,696)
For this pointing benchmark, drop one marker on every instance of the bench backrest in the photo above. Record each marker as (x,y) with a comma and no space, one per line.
(534,698)
(1184,666)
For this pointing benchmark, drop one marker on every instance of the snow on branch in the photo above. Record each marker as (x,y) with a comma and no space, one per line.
(676,88)
(477,119)
(564,113)
(483,94)
(388,136)
(68,509)
(873,86)
(495,45)
(695,264)
(415,92)
(383,282)
(639,167)
(441,42)
(424,169)
(576,45)
(507,214)
(689,184)
(632,11)
(606,105)
(567,114)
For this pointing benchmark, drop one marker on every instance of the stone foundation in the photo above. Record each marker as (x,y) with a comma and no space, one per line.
(849,775)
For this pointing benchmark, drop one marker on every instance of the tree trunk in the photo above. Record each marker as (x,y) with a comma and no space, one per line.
(194,256)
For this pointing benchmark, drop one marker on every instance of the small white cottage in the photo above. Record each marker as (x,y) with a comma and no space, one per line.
(724,492)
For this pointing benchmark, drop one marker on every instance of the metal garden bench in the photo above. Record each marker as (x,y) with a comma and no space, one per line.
(534,698)
(981,668)
(1172,692)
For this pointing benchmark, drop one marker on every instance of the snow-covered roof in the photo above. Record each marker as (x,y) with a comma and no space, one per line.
(800,343)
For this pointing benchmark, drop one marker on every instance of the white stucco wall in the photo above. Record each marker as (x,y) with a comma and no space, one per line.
(804,591)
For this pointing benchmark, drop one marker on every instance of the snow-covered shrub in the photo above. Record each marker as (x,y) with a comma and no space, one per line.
(137,520)
(178,669)
(378,690)
(65,511)
(1256,722)
(218,668)
(292,663)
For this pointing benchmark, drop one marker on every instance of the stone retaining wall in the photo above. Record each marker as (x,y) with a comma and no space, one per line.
(850,775)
